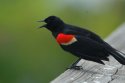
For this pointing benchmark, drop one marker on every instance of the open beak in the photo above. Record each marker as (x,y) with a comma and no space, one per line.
(42,25)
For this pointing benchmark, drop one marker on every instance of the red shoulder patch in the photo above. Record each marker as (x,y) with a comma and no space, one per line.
(64,38)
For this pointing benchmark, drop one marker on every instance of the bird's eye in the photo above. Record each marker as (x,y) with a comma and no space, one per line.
(50,19)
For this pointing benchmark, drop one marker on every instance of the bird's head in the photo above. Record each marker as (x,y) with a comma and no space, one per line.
(52,23)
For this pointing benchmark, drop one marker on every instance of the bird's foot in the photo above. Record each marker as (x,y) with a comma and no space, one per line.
(75,67)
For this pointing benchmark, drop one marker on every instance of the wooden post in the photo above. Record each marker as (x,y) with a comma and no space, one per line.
(112,72)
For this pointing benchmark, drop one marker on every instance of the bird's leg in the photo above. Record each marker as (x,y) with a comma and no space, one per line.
(73,66)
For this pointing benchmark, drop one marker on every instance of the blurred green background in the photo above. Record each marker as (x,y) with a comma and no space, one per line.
(31,55)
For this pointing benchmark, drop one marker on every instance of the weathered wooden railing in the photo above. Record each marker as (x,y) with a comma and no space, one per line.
(112,72)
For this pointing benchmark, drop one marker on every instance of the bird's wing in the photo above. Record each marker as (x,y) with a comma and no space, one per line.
(84,32)
(87,48)
(89,44)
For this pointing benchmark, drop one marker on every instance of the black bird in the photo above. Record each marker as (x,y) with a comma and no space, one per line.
(81,42)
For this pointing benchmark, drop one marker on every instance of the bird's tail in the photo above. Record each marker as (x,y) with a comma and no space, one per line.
(118,55)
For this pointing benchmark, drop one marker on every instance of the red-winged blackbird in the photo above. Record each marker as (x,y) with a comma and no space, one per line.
(81,42)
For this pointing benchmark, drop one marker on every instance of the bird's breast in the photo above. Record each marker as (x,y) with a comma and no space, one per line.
(65,39)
